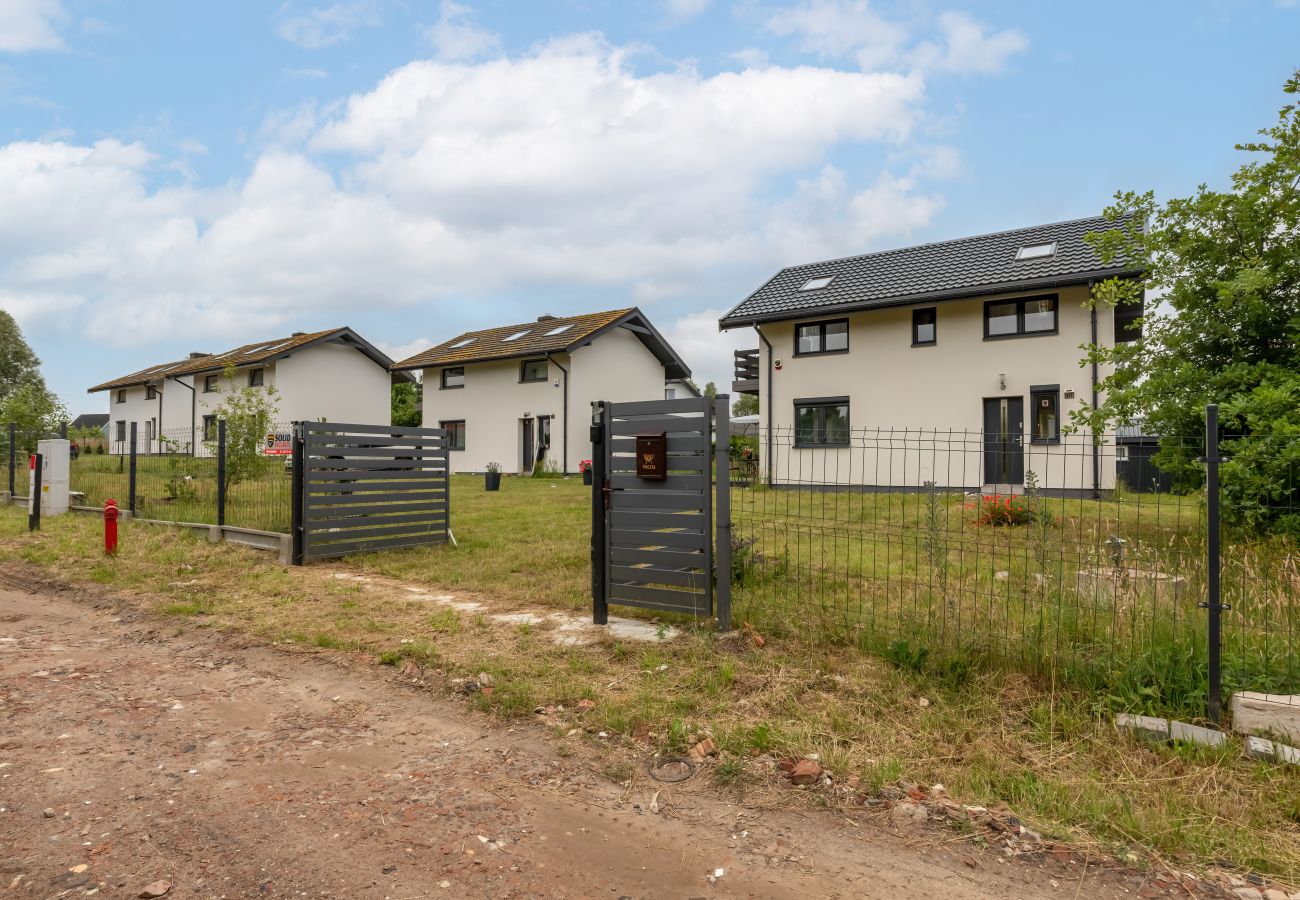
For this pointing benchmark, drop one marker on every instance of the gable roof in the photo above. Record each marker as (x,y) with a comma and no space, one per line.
(548,334)
(258,353)
(964,267)
(89,420)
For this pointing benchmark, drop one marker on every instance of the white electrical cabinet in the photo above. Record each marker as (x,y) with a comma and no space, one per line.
(56,476)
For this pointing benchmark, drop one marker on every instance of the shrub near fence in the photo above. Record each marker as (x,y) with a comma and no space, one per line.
(176,481)
(892,542)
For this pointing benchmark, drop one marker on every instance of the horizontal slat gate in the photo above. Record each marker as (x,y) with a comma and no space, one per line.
(361,488)
(659,534)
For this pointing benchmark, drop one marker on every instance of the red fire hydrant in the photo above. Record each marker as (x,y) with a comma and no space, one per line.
(110,527)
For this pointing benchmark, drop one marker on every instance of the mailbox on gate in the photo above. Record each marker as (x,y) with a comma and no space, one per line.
(652,455)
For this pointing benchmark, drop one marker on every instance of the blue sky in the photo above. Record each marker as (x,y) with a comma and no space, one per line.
(178,177)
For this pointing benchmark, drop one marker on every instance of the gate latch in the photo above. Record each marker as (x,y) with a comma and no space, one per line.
(606,491)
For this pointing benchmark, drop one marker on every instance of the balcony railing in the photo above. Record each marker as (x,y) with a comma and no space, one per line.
(746,372)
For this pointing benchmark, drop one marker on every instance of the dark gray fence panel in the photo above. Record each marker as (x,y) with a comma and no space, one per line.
(370,487)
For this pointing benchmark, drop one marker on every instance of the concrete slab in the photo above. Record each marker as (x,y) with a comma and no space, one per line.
(1259,748)
(1278,714)
(518,618)
(1146,728)
(1194,734)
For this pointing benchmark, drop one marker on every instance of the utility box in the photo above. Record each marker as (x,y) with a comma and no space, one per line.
(56,476)
(652,455)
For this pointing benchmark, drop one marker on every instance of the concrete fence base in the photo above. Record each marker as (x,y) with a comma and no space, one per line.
(281,544)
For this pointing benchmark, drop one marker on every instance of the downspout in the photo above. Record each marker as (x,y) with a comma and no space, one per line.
(1096,448)
(158,436)
(767,451)
(193,409)
(564,415)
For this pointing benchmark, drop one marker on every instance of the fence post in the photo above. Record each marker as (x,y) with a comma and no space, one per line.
(1214,703)
(221,471)
(13,454)
(722,552)
(34,498)
(130,500)
(63,430)
(599,486)
(298,456)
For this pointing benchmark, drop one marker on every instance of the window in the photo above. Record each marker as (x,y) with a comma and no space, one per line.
(209,428)
(210,384)
(151,393)
(514,337)
(1036,251)
(821,422)
(151,430)
(1027,315)
(670,393)
(821,337)
(462,343)
(533,370)
(256,377)
(923,326)
(455,433)
(816,284)
(1121,453)
(1045,400)
(120,428)
(121,396)
(558,329)
(453,378)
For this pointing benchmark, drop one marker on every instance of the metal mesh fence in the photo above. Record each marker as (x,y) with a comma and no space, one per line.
(949,547)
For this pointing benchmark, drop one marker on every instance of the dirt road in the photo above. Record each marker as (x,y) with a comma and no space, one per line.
(133,751)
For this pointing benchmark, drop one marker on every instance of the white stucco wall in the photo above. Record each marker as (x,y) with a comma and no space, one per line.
(616,367)
(901,395)
(333,382)
(170,411)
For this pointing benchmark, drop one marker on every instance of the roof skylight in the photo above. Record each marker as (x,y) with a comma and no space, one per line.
(464,343)
(514,337)
(559,329)
(1036,251)
(816,284)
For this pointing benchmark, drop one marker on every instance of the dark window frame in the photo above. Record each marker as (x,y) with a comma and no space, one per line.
(150,392)
(523,370)
(120,430)
(933,323)
(1044,390)
(259,374)
(823,403)
(451,444)
(442,378)
(211,384)
(121,395)
(210,428)
(1020,317)
(822,325)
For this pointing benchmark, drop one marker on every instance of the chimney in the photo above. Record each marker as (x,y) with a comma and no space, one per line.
(197,355)
(298,334)
(546,317)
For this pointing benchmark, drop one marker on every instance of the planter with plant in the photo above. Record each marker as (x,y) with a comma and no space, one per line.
(492,477)
(585,468)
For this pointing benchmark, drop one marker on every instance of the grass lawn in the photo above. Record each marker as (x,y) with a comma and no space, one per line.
(991,737)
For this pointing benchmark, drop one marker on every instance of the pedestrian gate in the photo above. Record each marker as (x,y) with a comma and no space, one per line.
(658,535)
(367,487)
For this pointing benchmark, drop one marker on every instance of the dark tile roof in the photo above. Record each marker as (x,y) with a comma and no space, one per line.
(959,268)
(90,420)
(144,376)
(537,339)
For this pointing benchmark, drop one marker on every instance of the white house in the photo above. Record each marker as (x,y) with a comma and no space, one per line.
(334,375)
(521,395)
(956,362)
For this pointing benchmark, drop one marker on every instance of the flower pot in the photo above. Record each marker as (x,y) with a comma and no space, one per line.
(586,476)
(492,481)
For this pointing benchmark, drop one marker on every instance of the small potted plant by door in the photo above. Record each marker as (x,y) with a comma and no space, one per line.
(492,477)
(585,466)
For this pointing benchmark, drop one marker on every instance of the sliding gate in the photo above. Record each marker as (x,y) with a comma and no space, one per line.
(359,488)
(658,536)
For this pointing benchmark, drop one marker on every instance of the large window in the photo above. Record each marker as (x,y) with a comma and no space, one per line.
(455,433)
(1027,315)
(256,377)
(924,326)
(453,377)
(821,422)
(1045,401)
(821,337)
(533,370)
(210,384)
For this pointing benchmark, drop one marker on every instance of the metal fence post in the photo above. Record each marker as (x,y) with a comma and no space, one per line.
(221,471)
(63,430)
(130,500)
(1214,703)
(599,486)
(722,527)
(296,500)
(13,454)
(34,500)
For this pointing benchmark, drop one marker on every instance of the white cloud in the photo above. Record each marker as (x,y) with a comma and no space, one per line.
(322,26)
(27,25)
(455,37)
(706,350)
(750,57)
(399,352)
(685,10)
(970,47)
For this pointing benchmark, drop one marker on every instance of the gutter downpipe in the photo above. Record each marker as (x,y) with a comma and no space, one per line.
(194,450)
(767,451)
(1096,449)
(564,421)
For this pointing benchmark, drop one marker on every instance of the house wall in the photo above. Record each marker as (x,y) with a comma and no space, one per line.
(170,412)
(334,382)
(493,404)
(892,385)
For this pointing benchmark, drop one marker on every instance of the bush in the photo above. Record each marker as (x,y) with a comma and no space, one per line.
(996,509)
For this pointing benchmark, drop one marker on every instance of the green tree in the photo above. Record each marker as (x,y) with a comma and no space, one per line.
(1225,266)
(710,390)
(18,364)
(250,413)
(745,405)
(406,405)
(36,412)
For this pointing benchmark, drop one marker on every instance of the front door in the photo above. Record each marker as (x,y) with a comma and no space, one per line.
(529,448)
(1004,450)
